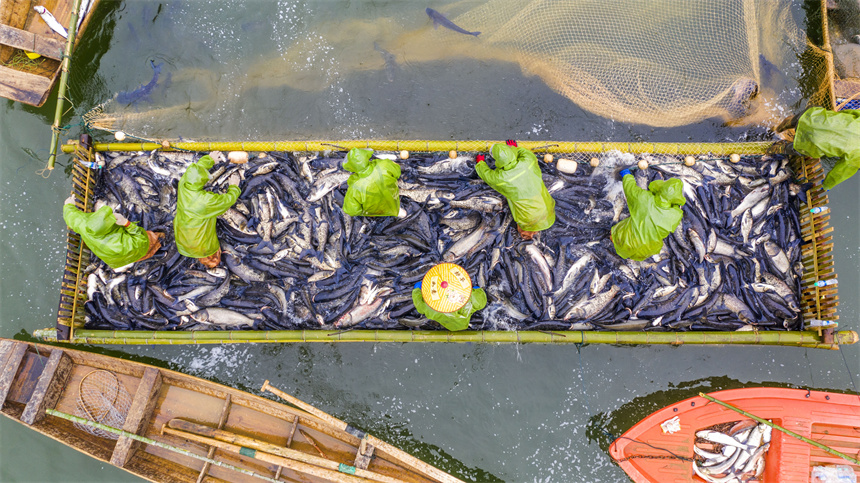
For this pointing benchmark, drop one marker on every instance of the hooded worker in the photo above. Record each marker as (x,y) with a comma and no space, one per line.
(822,133)
(446,295)
(654,214)
(110,236)
(518,177)
(197,210)
(373,188)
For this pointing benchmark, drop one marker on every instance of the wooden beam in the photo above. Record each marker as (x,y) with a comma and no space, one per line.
(51,384)
(364,454)
(142,407)
(24,40)
(23,87)
(11,355)
(225,413)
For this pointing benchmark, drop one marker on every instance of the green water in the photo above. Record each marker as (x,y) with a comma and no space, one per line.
(482,412)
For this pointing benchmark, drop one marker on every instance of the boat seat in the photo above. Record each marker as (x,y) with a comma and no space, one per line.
(794,463)
(142,407)
(11,355)
(28,41)
(49,387)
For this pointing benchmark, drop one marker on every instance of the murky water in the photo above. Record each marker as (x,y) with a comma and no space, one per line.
(481,412)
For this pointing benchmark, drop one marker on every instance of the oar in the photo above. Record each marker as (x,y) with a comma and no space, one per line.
(400,455)
(780,428)
(143,439)
(214,437)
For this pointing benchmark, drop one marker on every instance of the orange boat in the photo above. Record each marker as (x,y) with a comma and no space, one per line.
(648,454)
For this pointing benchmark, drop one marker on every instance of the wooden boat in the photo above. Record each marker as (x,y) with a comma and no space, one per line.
(22,30)
(240,433)
(827,418)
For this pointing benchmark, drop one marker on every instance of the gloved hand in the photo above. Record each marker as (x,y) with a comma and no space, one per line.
(217,156)
(121,220)
(622,172)
(417,285)
(70,200)
(511,142)
(479,158)
(233,180)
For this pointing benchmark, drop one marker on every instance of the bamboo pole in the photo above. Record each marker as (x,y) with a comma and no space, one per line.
(717,149)
(400,455)
(64,78)
(149,441)
(780,428)
(343,475)
(220,435)
(806,339)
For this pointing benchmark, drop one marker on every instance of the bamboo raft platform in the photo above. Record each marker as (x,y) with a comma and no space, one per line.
(22,30)
(816,302)
(178,428)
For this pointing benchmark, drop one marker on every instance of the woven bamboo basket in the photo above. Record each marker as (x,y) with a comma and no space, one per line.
(816,302)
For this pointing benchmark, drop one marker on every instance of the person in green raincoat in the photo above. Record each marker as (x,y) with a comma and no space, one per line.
(518,177)
(197,210)
(453,321)
(373,189)
(822,133)
(654,214)
(110,236)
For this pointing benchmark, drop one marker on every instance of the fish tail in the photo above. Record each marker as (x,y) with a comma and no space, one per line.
(475,33)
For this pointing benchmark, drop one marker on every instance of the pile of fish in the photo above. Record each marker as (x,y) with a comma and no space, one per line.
(293,260)
(734,456)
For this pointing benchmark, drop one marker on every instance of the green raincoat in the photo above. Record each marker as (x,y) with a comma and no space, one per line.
(458,320)
(113,244)
(197,210)
(835,134)
(517,176)
(373,188)
(654,214)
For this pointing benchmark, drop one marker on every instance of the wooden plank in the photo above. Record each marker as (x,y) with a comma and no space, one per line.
(28,377)
(364,454)
(21,39)
(142,407)
(10,369)
(23,87)
(225,413)
(51,384)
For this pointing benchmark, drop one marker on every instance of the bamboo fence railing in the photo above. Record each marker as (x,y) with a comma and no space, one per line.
(816,302)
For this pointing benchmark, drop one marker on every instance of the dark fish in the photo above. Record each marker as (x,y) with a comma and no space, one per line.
(439,19)
(141,93)
(390,61)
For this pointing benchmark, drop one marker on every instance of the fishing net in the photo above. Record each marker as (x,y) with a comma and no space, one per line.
(661,63)
(103,399)
(842,34)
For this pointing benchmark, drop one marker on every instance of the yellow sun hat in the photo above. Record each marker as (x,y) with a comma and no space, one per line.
(446,287)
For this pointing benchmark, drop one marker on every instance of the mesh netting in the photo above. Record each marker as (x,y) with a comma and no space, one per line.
(657,62)
(103,399)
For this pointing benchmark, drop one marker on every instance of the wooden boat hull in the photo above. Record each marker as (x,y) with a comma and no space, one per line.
(829,418)
(21,29)
(36,378)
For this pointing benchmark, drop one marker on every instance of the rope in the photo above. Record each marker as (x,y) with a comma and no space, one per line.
(671,455)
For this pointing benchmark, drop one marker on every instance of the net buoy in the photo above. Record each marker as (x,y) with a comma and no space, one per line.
(547,158)
(452,154)
(643,164)
(119,135)
(689,161)
(735,157)
(566,165)
(594,162)
(404,154)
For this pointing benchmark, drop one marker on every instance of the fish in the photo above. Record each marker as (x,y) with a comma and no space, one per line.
(143,92)
(390,62)
(439,19)
(52,22)
(219,316)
